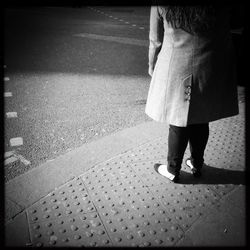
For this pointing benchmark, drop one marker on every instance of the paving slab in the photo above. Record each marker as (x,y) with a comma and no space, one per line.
(11,208)
(17,231)
(224,225)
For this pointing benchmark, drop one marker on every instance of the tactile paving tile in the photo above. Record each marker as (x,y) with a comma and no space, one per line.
(131,214)
(226,149)
(71,198)
(66,217)
(145,169)
(226,143)
(72,231)
(150,178)
(186,203)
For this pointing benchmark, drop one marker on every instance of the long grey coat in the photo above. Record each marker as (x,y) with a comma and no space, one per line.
(194,78)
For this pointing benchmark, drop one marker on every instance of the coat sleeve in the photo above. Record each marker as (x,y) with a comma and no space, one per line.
(156,31)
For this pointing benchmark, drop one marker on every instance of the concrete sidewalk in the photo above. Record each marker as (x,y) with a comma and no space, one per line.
(106,193)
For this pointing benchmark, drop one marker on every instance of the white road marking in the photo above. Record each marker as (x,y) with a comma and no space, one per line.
(10,160)
(11,114)
(7,94)
(11,157)
(124,40)
(8,154)
(18,141)
(121,20)
(23,160)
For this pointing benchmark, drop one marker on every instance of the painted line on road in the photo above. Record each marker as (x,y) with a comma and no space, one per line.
(23,160)
(17,141)
(7,94)
(11,157)
(8,154)
(121,20)
(10,160)
(11,114)
(124,40)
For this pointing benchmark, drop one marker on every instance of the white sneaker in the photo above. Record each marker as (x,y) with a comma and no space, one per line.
(162,170)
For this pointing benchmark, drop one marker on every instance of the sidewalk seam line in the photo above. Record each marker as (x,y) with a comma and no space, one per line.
(27,219)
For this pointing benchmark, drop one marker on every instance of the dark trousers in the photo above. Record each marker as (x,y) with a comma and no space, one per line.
(178,138)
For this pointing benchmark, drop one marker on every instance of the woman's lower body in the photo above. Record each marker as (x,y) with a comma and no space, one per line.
(179,137)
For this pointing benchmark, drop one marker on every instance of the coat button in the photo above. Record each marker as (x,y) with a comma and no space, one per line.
(188,90)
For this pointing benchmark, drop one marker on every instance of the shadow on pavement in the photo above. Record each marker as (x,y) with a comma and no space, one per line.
(213,175)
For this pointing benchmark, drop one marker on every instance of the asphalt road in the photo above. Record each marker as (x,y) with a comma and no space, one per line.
(72,75)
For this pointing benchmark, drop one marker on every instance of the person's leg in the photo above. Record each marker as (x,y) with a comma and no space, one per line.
(198,137)
(177,144)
